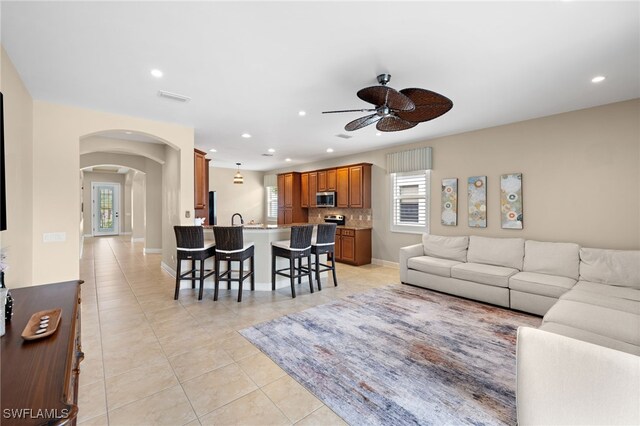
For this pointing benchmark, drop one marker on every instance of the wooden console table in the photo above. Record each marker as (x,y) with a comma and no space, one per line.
(40,377)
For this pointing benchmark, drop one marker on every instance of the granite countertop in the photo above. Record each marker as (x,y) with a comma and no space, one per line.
(263,226)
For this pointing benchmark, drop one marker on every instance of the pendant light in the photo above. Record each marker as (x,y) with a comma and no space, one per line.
(238,177)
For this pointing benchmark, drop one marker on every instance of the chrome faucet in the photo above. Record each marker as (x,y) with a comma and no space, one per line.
(234,216)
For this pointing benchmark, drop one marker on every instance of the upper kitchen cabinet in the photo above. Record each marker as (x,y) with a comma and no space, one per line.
(290,208)
(342,187)
(313,189)
(201,183)
(360,186)
(304,187)
(331,180)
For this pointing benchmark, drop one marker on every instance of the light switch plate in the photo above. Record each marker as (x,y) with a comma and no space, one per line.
(54,237)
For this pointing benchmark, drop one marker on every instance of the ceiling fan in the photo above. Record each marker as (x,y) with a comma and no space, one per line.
(395,110)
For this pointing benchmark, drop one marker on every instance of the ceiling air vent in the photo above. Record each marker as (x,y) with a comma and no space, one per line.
(267,155)
(343,136)
(173,96)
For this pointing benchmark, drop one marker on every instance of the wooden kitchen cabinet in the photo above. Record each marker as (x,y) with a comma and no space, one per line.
(322,181)
(290,208)
(331,180)
(342,187)
(304,190)
(313,189)
(201,184)
(288,190)
(360,186)
(353,246)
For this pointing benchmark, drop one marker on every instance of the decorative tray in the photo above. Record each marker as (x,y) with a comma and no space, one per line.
(30,330)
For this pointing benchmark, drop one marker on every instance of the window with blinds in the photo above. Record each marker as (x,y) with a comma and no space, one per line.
(272,202)
(410,201)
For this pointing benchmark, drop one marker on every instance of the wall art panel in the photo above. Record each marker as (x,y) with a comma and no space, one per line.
(511,211)
(477,201)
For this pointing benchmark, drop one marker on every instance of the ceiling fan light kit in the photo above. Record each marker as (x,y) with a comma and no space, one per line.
(397,110)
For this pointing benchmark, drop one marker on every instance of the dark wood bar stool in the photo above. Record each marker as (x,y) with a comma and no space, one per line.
(297,248)
(324,244)
(191,246)
(230,247)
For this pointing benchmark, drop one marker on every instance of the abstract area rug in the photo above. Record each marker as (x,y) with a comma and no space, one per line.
(401,355)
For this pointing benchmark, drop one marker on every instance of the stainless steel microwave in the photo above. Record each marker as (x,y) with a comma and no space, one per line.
(325,199)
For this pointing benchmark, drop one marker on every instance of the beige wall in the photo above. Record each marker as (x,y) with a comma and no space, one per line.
(247,199)
(17,240)
(172,213)
(90,178)
(581,178)
(57,133)
(151,221)
(138,211)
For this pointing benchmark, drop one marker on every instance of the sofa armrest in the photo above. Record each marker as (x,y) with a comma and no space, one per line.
(561,380)
(407,253)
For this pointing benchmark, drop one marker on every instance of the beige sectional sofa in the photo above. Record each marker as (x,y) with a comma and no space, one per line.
(526,275)
(582,366)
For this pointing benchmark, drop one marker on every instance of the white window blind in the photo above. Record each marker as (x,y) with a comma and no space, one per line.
(272,202)
(410,196)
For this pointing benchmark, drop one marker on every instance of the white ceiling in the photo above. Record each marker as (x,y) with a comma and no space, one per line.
(250,67)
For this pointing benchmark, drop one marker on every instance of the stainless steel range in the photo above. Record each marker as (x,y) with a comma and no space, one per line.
(338,219)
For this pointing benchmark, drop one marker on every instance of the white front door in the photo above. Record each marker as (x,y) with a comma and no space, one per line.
(105,209)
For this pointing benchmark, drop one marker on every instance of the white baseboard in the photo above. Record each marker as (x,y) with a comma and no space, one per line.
(381,262)
(87,235)
(168,269)
(137,240)
(152,250)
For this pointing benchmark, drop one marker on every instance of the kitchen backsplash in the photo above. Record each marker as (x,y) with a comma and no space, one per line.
(353,217)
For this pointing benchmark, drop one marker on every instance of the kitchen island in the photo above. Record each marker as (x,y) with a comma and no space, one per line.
(262,236)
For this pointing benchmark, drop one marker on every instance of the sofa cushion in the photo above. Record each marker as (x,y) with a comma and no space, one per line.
(561,259)
(542,284)
(609,290)
(587,336)
(615,267)
(613,323)
(624,305)
(454,248)
(507,252)
(484,274)
(432,265)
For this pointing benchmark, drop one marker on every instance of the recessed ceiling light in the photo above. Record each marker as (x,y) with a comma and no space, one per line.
(271,150)
(329,149)
(246,135)
(287,159)
(378,133)
(302,113)
(598,79)
(213,150)
(156,73)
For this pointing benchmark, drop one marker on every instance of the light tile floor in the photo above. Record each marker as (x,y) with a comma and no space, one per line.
(152,360)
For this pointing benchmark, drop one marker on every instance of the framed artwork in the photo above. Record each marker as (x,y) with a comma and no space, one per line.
(511,201)
(449,202)
(477,201)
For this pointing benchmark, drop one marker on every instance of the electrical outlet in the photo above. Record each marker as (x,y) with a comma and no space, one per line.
(187,214)
(360,217)
(368,217)
(351,217)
